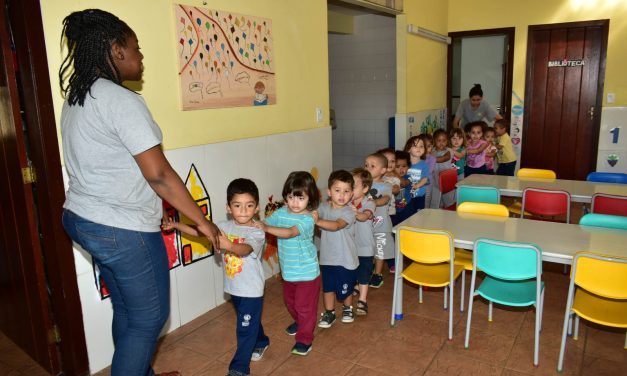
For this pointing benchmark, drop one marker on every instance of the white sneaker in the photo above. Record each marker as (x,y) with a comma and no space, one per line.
(258,353)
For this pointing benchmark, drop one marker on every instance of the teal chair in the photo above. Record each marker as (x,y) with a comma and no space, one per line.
(513,277)
(488,195)
(604,220)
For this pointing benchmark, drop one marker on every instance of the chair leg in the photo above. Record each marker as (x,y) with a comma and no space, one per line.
(471,299)
(570,325)
(567,318)
(463,292)
(420,294)
(576,334)
(536,344)
(450,311)
(445,297)
(490,312)
(625,341)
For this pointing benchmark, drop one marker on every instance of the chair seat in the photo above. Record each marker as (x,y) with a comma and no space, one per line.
(600,310)
(463,257)
(512,293)
(431,275)
(516,208)
(451,208)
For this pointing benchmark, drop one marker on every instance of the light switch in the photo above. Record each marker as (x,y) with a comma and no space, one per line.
(610,98)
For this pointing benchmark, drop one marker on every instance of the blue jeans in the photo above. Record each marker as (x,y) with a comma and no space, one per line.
(134,266)
(249,331)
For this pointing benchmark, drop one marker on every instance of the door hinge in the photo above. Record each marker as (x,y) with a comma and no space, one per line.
(28,175)
(53,335)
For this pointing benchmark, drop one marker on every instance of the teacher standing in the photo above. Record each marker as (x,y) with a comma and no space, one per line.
(117,174)
(474,109)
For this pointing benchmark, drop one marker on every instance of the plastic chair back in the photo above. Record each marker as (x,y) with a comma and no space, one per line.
(488,195)
(536,173)
(470,207)
(609,204)
(448,180)
(604,220)
(607,177)
(602,275)
(425,246)
(507,260)
(546,202)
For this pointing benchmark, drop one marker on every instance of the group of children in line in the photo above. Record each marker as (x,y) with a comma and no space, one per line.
(355,231)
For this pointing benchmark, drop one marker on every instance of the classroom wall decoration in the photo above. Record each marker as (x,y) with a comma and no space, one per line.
(225,58)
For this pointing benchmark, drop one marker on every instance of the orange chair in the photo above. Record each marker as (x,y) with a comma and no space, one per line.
(609,204)
(545,202)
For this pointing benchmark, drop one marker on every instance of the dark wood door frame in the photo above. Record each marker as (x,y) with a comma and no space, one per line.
(24,17)
(605,24)
(510,32)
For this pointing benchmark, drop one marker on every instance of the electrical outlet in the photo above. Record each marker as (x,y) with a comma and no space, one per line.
(319,115)
(610,98)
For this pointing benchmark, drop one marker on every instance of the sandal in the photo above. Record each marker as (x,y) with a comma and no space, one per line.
(362,308)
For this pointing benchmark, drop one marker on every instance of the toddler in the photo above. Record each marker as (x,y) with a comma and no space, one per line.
(338,252)
(505,154)
(443,156)
(427,139)
(418,172)
(364,239)
(490,150)
(244,277)
(458,140)
(476,149)
(381,192)
(293,225)
(402,200)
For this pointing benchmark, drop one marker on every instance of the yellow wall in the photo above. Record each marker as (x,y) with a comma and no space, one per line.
(301,55)
(424,69)
(488,14)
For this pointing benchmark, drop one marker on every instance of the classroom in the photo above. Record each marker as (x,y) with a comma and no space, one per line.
(329,83)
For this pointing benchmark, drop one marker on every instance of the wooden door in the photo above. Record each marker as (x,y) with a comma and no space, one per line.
(563,96)
(39,300)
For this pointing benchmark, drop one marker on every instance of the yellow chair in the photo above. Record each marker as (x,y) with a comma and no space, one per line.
(463,257)
(534,173)
(433,265)
(597,293)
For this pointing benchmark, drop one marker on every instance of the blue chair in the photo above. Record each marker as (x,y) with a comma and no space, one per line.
(513,277)
(488,195)
(604,220)
(607,177)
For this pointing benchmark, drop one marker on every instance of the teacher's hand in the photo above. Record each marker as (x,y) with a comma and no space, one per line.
(211,231)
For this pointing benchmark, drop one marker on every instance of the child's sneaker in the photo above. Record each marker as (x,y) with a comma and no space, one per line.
(328,318)
(233,372)
(301,349)
(392,269)
(347,314)
(258,353)
(292,329)
(376,281)
(362,308)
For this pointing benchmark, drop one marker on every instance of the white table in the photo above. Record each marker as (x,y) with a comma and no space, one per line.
(580,191)
(558,241)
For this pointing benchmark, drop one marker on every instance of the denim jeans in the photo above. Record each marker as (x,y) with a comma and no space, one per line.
(134,266)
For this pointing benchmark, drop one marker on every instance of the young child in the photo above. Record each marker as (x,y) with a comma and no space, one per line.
(427,139)
(402,200)
(364,238)
(293,225)
(418,172)
(391,176)
(338,252)
(381,192)
(490,153)
(458,141)
(505,155)
(244,277)
(476,149)
(443,156)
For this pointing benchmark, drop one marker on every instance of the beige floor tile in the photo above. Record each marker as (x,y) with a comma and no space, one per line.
(449,362)
(314,364)
(180,359)
(393,357)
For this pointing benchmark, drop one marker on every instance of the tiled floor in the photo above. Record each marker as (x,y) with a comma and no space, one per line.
(417,345)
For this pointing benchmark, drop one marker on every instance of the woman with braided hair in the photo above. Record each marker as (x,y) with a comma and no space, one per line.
(117,172)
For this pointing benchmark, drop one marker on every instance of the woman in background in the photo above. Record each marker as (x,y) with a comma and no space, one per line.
(474,109)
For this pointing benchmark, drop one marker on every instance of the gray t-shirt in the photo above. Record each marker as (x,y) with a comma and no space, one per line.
(467,114)
(100,139)
(381,221)
(243,276)
(441,166)
(338,247)
(364,238)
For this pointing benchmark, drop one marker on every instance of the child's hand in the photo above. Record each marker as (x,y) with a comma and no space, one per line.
(168,224)
(225,243)
(261,225)
(315,216)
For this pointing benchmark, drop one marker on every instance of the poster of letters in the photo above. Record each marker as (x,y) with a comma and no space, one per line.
(225,58)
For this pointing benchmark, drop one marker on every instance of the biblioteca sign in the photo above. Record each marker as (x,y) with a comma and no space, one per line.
(566,63)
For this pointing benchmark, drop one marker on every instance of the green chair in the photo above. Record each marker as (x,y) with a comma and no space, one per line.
(604,220)
(488,195)
(513,277)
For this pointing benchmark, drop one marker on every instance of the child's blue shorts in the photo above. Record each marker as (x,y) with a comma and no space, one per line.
(338,279)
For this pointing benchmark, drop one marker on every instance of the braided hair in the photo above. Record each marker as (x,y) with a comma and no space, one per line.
(89,35)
